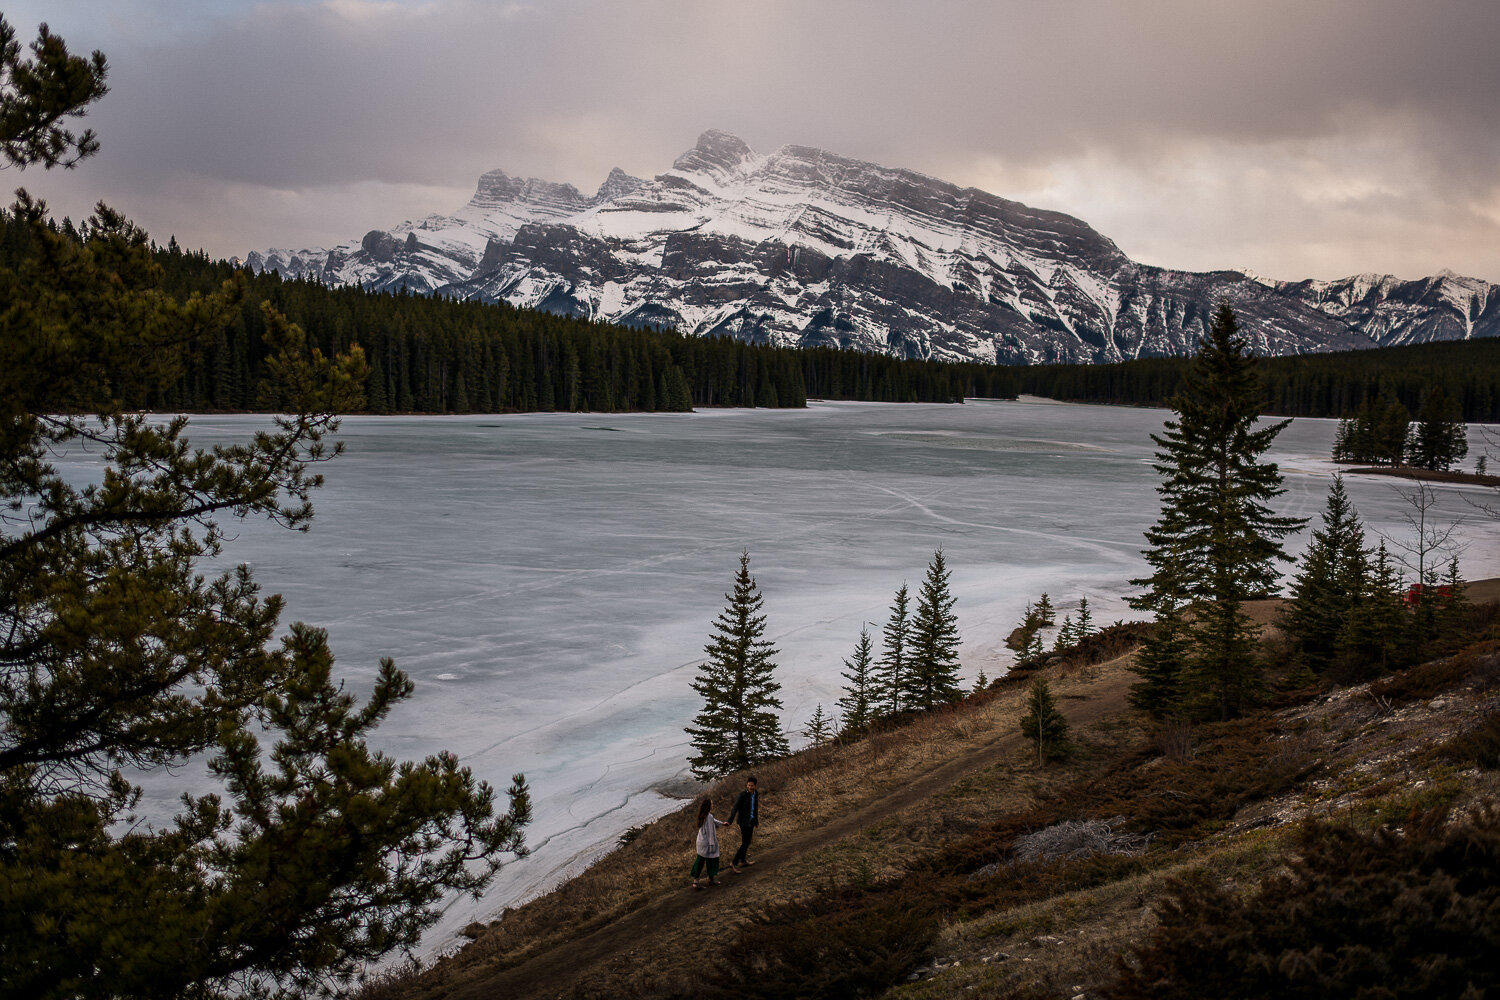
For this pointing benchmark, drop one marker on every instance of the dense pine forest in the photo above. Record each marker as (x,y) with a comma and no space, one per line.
(1303,385)
(433,355)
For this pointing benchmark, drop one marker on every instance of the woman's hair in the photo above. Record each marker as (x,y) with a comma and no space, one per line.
(703,809)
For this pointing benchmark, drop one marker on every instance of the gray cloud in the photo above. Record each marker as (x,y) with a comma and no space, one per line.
(1293,138)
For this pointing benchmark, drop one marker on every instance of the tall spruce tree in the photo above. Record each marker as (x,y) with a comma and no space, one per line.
(1330,582)
(932,679)
(738,726)
(895,655)
(861,689)
(1216,542)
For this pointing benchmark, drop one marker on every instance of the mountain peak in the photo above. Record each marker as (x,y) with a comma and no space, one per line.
(717,152)
(498,188)
(617,184)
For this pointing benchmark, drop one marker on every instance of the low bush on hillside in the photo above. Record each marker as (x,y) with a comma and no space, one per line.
(1005,886)
(1478,745)
(1174,800)
(1423,681)
(1183,798)
(1367,914)
(1080,839)
(1477,666)
(843,945)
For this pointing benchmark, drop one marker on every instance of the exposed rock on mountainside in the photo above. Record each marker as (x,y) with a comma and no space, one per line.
(805,247)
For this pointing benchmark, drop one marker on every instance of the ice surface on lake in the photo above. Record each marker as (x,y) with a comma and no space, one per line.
(548,580)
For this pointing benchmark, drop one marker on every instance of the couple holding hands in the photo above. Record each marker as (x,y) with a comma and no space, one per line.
(747,812)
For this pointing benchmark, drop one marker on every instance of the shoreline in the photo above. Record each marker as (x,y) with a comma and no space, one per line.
(1424,475)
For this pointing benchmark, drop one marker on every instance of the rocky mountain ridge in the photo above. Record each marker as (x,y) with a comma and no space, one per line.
(804,247)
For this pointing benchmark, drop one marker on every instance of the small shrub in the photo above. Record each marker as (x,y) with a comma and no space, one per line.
(1078,839)
(1478,745)
(1174,740)
(1007,886)
(1423,680)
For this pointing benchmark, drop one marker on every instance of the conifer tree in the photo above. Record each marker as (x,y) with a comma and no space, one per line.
(1034,649)
(1043,724)
(1046,614)
(1085,625)
(820,727)
(1377,629)
(1389,432)
(1330,582)
(40,92)
(895,656)
(1161,662)
(1026,638)
(1066,636)
(932,679)
(1453,607)
(1376,432)
(981,683)
(1440,439)
(861,687)
(1216,541)
(738,726)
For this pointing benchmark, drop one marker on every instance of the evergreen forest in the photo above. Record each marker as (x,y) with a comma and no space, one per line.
(1302,385)
(434,355)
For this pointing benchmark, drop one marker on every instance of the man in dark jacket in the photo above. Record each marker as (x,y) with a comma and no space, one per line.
(746,812)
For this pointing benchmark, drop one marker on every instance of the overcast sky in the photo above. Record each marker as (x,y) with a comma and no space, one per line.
(1295,139)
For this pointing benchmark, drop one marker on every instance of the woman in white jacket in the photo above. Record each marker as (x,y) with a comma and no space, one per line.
(708,844)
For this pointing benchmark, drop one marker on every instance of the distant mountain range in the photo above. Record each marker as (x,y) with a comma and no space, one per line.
(804,247)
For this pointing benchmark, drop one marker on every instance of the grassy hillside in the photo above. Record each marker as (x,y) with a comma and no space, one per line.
(906,864)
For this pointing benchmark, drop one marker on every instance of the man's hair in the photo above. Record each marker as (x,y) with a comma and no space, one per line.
(751,780)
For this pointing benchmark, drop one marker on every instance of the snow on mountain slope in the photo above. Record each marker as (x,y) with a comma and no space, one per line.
(805,247)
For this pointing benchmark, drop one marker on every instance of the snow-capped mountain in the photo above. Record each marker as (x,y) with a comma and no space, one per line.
(805,247)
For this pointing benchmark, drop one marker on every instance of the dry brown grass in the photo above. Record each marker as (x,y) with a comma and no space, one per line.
(804,796)
(1376,766)
(922,805)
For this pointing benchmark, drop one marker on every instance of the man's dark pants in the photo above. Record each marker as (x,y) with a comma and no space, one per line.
(746,832)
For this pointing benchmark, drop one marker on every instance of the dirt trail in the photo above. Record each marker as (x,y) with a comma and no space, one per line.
(551,972)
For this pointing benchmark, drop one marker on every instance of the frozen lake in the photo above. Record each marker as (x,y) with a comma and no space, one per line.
(548,580)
